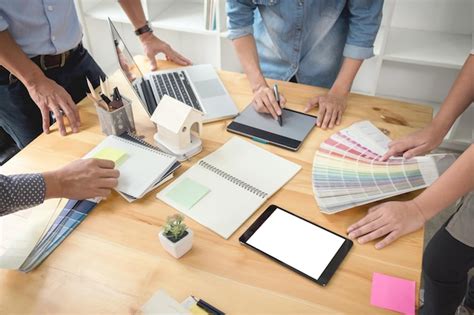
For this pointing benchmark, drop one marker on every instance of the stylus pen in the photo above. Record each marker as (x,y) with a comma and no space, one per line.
(277,97)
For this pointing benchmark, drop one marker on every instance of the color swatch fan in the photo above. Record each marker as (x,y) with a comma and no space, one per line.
(347,171)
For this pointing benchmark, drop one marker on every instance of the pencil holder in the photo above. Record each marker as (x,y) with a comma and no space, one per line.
(117,121)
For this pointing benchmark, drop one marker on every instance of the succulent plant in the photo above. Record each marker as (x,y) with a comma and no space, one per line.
(174,228)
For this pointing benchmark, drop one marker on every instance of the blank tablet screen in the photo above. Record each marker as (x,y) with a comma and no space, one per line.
(296,242)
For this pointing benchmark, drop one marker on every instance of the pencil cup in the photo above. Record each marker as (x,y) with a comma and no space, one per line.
(117,121)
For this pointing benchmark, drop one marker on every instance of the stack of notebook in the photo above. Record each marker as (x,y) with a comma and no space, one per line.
(142,166)
(347,171)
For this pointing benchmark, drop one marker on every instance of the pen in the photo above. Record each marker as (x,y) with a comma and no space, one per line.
(208,307)
(277,97)
(105,98)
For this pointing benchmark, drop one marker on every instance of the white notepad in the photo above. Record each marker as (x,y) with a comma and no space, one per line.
(141,168)
(239,177)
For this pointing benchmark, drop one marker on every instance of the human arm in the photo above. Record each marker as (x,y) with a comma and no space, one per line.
(395,219)
(81,179)
(240,17)
(459,98)
(364,20)
(152,45)
(46,93)
(334,103)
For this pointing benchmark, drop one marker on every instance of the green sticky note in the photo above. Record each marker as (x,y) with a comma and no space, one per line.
(187,193)
(113,154)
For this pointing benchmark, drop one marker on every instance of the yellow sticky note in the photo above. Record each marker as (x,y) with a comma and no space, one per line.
(196,310)
(113,154)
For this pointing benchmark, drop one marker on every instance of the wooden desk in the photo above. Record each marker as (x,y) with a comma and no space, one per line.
(113,262)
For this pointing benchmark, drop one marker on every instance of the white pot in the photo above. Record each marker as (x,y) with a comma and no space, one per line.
(179,248)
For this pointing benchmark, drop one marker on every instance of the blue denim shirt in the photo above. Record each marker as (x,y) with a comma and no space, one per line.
(306,38)
(41,27)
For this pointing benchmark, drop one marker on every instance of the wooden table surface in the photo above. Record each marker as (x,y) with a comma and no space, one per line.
(113,262)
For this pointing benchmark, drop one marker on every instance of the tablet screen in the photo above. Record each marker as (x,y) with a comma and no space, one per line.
(302,245)
(296,125)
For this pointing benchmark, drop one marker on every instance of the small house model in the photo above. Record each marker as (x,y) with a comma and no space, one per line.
(178,128)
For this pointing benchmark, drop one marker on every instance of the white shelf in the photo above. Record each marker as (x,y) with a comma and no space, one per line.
(427,48)
(106,9)
(184,17)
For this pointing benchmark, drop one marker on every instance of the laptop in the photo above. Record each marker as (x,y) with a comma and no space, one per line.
(197,86)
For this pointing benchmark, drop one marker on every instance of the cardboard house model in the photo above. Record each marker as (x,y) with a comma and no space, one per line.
(178,128)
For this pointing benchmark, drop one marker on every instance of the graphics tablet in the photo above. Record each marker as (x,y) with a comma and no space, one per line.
(300,245)
(263,128)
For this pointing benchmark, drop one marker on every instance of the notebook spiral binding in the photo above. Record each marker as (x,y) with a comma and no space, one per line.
(133,139)
(233,179)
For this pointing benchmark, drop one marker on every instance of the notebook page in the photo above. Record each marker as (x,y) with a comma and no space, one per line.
(223,209)
(253,165)
(140,169)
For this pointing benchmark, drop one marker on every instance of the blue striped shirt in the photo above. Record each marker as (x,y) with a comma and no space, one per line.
(41,27)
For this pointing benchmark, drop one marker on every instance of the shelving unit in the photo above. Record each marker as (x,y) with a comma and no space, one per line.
(419,49)
(428,48)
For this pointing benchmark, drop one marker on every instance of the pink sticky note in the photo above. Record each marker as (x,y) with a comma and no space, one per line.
(393,293)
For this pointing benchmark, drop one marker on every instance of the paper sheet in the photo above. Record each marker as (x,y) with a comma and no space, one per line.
(21,231)
(393,293)
(162,304)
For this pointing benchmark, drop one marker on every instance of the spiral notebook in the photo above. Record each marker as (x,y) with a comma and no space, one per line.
(226,187)
(142,167)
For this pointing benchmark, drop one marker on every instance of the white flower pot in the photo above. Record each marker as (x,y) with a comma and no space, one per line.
(179,248)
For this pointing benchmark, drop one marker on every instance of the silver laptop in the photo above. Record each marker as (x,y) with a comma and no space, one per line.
(197,86)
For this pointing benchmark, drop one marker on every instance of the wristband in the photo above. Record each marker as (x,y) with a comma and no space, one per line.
(144,29)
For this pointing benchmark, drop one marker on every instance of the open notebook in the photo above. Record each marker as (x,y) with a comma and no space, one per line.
(141,167)
(223,189)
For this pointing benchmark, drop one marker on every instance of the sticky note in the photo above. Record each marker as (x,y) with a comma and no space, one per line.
(393,293)
(187,193)
(113,154)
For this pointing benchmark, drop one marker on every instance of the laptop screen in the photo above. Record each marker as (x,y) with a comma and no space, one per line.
(128,65)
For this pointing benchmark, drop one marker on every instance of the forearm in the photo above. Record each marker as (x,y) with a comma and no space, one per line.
(17,62)
(346,75)
(457,181)
(459,98)
(247,52)
(19,192)
(134,11)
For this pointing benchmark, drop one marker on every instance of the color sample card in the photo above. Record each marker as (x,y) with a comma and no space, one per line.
(393,293)
(347,171)
(112,154)
(187,193)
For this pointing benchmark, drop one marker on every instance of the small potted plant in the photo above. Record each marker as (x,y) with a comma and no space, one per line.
(176,237)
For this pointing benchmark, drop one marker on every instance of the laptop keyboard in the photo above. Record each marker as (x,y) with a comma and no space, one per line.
(176,85)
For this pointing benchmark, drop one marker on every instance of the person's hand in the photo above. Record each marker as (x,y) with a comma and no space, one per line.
(418,143)
(264,101)
(51,97)
(152,46)
(82,179)
(393,219)
(331,107)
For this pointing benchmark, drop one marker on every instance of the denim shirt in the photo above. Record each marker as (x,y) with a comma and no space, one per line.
(306,38)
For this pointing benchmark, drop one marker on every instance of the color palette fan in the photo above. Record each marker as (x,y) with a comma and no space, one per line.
(347,171)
